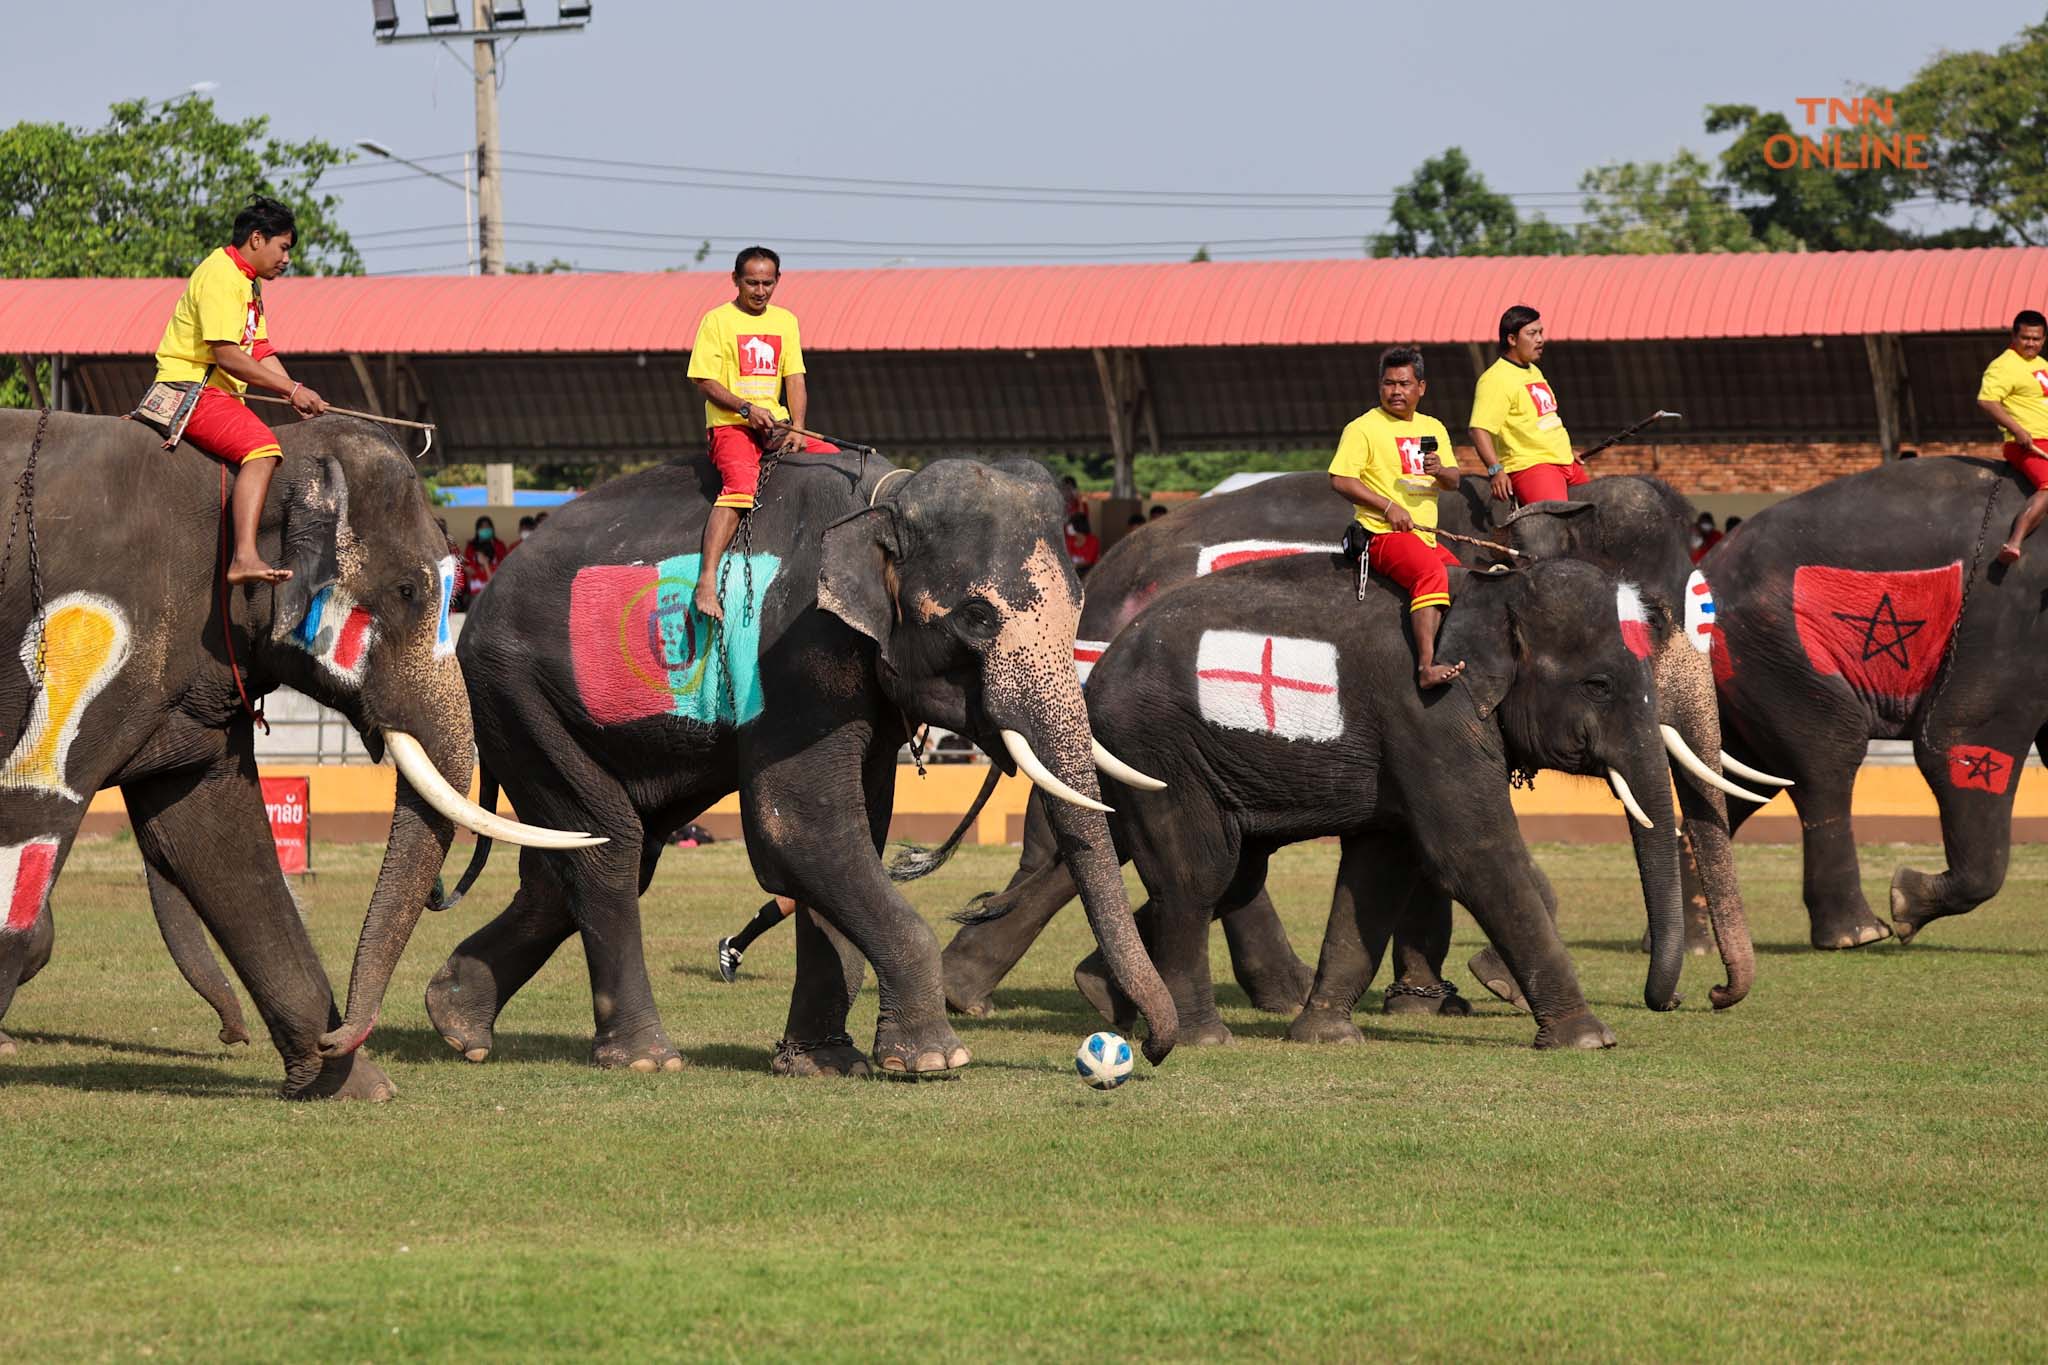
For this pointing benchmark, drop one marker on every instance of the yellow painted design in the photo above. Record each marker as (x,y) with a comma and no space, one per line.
(85,643)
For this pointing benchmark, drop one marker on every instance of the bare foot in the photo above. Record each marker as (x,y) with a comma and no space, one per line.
(249,569)
(2009,553)
(707,602)
(1436,675)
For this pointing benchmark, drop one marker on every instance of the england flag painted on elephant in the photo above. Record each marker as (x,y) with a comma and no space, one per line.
(1226,554)
(1268,683)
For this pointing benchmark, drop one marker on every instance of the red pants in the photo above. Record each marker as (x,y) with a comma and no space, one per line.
(1546,482)
(1417,566)
(736,454)
(222,426)
(2031,461)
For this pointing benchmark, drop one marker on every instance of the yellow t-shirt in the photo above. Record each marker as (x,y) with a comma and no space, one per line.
(2022,385)
(1385,454)
(220,303)
(750,355)
(1519,407)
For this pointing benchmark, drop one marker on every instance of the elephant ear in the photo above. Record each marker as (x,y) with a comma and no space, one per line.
(1480,629)
(1555,530)
(857,576)
(315,510)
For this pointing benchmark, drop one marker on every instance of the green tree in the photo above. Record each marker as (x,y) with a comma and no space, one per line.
(554,265)
(1985,115)
(1447,209)
(1648,207)
(1807,207)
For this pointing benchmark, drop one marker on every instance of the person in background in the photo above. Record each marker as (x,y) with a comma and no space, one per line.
(1733,522)
(1704,536)
(773,911)
(1157,511)
(458,596)
(1071,491)
(481,557)
(526,528)
(1083,546)
(1134,522)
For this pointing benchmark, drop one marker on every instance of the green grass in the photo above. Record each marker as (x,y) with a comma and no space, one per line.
(1850,1164)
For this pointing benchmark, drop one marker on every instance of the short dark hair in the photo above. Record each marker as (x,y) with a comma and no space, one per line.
(2029,317)
(1514,320)
(756,253)
(525,522)
(1394,357)
(265,215)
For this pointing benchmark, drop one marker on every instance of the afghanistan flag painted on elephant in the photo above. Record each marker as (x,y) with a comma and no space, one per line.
(1882,633)
(642,650)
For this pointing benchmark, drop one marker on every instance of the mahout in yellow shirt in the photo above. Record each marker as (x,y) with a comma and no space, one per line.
(1517,404)
(1385,454)
(748,353)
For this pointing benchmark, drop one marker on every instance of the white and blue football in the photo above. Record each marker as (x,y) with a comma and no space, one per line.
(1103,1060)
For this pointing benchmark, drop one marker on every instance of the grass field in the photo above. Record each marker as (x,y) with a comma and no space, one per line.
(1850,1164)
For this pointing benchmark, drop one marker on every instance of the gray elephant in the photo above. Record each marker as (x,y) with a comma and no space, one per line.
(1631,526)
(1277,707)
(859,600)
(133,674)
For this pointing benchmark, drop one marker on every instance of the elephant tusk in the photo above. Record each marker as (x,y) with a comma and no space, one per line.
(1122,771)
(1019,749)
(1627,798)
(1741,769)
(426,779)
(1682,753)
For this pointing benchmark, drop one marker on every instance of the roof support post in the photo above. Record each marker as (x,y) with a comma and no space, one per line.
(1887,358)
(370,395)
(35,383)
(1125,398)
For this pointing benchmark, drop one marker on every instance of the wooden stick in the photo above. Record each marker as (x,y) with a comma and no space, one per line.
(1475,540)
(350,412)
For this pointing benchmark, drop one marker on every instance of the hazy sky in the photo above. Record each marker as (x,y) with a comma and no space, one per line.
(1275,98)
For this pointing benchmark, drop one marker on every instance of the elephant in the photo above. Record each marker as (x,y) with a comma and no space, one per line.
(1277,703)
(1872,607)
(860,600)
(1630,525)
(135,669)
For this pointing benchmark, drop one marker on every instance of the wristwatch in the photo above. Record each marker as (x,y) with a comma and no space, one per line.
(1493,469)
(746,412)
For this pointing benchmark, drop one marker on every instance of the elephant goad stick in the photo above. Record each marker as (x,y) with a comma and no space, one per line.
(427,427)
(1618,437)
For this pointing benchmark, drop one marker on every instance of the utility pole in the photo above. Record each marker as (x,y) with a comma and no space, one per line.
(490,200)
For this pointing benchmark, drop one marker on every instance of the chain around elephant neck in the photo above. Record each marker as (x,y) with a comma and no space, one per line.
(1948,652)
(24,515)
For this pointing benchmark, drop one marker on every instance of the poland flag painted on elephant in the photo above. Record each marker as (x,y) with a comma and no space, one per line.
(1269,683)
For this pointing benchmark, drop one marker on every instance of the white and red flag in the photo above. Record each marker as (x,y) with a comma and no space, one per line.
(1635,620)
(1225,554)
(1270,683)
(1086,652)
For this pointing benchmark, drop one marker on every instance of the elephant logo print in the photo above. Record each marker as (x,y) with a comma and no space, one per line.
(760,355)
(1410,450)
(26,871)
(1543,398)
(84,644)
(1268,683)
(1882,633)
(641,650)
(1979,768)
(2041,378)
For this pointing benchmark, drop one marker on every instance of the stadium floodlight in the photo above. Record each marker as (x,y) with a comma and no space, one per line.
(508,11)
(441,14)
(573,9)
(384,17)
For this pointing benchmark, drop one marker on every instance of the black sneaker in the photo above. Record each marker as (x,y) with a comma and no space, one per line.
(728,961)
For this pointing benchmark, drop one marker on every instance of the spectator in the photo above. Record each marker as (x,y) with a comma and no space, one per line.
(482,556)
(1072,492)
(1733,522)
(458,597)
(1082,545)
(1157,512)
(1704,536)
(526,528)
(1135,522)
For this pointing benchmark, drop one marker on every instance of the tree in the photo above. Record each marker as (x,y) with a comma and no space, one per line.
(1447,209)
(1987,133)
(1645,207)
(1808,207)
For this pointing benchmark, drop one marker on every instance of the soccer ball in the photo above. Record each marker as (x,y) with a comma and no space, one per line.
(1103,1061)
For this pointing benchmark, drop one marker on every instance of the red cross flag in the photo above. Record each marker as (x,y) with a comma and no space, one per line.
(1269,683)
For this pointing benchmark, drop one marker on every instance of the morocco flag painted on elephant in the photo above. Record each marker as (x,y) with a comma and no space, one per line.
(1882,633)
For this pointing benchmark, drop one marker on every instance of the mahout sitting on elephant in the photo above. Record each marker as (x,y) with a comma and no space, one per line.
(859,601)
(1278,707)
(128,677)
(1632,526)
(1874,607)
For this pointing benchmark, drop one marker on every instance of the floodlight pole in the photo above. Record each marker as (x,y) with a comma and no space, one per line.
(490,200)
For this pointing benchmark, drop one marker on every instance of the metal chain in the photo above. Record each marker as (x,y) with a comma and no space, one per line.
(25,514)
(1948,653)
(743,541)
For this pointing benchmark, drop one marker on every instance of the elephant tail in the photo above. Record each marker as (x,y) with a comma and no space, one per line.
(487,797)
(913,861)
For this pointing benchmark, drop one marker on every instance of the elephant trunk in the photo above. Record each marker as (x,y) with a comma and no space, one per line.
(1656,849)
(1685,694)
(413,853)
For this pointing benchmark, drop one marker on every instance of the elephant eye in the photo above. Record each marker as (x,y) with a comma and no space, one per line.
(1599,688)
(405,590)
(977,617)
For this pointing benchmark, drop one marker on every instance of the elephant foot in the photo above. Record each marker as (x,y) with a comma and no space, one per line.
(1439,997)
(968,988)
(833,1056)
(352,1077)
(904,1051)
(1489,971)
(1852,928)
(1315,1025)
(462,1004)
(1210,1032)
(1092,979)
(1281,988)
(644,1050)
(233,1031)
(1913,905)
(8,1047)
(966,1002)
(1582,1030)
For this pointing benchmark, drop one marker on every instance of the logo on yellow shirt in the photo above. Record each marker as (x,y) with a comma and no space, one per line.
(1543,398)
(760,355)
(1410,448)
(2041,378)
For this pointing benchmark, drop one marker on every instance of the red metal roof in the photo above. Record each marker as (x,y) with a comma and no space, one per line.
(1067,307)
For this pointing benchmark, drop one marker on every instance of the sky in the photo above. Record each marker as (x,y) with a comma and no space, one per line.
(1114,130)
